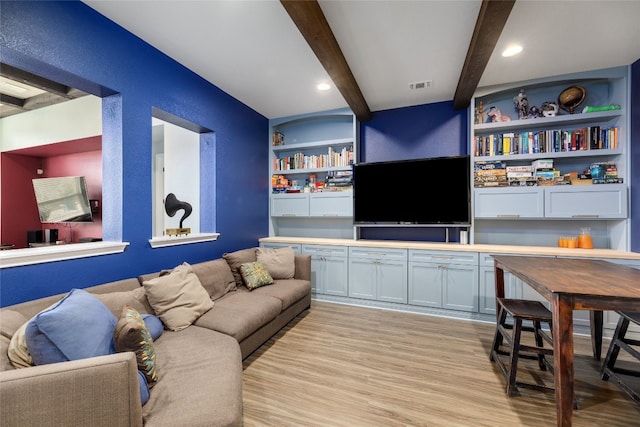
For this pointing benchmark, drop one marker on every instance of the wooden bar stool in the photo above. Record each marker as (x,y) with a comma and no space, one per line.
(618,342)
(519,311)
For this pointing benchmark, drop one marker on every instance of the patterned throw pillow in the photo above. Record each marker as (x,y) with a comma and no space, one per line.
(131,334)
(255,274)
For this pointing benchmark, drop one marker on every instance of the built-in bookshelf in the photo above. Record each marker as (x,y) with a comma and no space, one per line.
(310,174)
(533,174)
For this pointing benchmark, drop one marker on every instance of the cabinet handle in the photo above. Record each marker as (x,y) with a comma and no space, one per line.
(442,257)
(585,216)
(288,214)
(508,216)
(330,214)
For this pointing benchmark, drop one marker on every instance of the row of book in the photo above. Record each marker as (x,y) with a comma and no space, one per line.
(546,141)
(498,174)
(332,159)
(495,173)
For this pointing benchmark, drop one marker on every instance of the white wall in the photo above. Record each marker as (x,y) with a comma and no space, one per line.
(82,118)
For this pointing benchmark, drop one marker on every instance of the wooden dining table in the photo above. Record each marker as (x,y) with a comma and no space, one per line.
(571,284)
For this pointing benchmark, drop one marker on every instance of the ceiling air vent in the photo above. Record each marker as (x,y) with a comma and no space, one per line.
(420,85)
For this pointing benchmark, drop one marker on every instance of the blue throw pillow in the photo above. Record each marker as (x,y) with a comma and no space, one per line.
(144,388)
(154,325)
(76,327)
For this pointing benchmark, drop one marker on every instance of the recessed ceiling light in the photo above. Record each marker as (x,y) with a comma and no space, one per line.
(512,50)
(324,86)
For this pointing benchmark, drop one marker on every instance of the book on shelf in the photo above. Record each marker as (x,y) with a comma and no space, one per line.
(546,141)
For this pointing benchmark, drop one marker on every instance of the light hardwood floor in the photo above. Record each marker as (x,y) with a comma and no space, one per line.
(340,365)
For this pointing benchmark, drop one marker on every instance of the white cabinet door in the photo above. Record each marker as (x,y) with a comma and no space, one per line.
(517,202)
(331,204)
(460,288)
(392,281)
(362,278)
(290,204)
(425,284)
(591,201)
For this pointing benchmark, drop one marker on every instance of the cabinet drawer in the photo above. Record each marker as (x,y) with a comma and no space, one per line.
(340,251)
(595,201)
(505,203)
(443,257)
(294,246)
(331,204)
(378,253)
(290,204)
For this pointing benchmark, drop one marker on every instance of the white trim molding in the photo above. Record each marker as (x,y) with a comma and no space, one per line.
(164,241)
(43,254)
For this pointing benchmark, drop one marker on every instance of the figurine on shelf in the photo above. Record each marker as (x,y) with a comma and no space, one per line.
(521,103)
(480,117)
(534,112)
(549,109)
(497,116)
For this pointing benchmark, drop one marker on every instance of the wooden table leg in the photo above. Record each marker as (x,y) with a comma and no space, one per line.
(499,273)
(596,323)
(562,310)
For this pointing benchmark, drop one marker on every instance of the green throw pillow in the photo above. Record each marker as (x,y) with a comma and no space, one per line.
(131,334)
(255,275)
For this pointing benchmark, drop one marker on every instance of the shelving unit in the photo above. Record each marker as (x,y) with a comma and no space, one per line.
(538,215)
(315,146)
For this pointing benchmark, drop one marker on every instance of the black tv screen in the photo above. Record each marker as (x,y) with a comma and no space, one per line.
(62,199)
(432,191)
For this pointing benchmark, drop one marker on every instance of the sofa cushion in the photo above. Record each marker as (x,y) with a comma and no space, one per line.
(18,352)
(280,262)
(287,291)
(77,327)
(136,298)
(131,334)
(241,313)
(200,383)
(10,321)
(255,275)
(216,277)
(236,259)
(178,298)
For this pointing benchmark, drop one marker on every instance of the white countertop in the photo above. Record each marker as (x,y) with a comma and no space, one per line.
(502,249)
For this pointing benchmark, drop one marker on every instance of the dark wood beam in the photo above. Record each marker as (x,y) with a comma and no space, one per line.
(310,20)
(492,17)
(33,80)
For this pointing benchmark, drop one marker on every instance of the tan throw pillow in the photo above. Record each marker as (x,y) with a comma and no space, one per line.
(216,277)
(255,275)
(18,351)
(135,298)
(178,298)
(236,259)
(280,262)
(131,334)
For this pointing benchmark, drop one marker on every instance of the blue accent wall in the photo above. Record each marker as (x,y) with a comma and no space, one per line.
(635,157)
(71,43)
(423,131)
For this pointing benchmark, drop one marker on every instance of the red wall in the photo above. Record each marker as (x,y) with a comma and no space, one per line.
(89,165)
(19,212)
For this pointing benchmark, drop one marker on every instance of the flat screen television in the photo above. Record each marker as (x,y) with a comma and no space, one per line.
(420,192)
(62,199)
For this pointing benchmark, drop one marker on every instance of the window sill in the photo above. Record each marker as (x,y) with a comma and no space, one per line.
(28,256)
(164,241)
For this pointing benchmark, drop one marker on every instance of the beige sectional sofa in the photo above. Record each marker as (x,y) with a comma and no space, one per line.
(199,367)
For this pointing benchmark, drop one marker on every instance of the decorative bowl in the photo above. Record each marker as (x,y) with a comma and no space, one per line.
(570,98)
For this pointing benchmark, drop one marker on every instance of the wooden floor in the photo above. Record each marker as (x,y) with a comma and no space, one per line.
(341,365)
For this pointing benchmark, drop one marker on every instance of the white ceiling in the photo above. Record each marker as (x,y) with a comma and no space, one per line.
(252,50)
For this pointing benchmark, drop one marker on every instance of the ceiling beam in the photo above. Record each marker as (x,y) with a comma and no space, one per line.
(310,20)
(492,18)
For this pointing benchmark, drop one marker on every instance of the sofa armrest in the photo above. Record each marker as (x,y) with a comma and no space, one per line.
(303,267)
(100,391)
